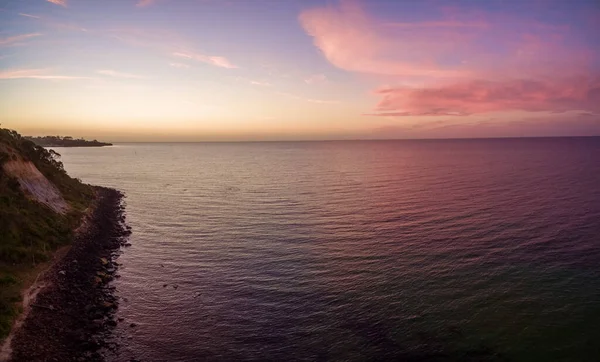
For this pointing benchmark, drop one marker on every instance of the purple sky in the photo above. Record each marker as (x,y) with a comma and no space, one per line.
(251,69)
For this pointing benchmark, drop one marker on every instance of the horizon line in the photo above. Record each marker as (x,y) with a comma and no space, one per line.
(360,139)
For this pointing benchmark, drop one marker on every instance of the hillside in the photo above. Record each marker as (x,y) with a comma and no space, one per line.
(40,206)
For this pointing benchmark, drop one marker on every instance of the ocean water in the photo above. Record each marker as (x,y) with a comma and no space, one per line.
(480,250)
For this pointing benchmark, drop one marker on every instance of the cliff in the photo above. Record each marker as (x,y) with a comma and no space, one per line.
(40,206)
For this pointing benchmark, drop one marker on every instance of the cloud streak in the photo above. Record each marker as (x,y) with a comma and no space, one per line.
(58,2)
(35,74)
(217,61)
(17,38)
(168,42)
(113,73)
(29,15)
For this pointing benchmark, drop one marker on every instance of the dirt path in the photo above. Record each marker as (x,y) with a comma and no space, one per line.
(74,311)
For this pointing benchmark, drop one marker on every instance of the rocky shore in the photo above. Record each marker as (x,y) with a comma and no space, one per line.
(73,315)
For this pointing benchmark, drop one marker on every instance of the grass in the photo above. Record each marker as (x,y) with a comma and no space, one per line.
(29,231)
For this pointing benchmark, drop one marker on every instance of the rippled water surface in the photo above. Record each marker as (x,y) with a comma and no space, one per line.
(350,251)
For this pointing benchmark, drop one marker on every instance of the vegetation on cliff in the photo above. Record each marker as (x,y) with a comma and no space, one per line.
(30,229)
(58,141)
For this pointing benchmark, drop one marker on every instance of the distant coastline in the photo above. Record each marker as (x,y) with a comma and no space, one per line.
(58,141)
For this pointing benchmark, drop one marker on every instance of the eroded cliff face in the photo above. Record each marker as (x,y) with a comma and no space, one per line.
(35,185)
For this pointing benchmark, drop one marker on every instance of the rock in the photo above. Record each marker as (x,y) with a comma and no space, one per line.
(175,286)
(165,285)
(132,325)
(109,305)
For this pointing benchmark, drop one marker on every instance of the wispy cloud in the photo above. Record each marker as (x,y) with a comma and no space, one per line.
(179,65)
(168,42)
(52,23)
(17,38)
(209,59)
(262,84)
(29,15)
(440,24)
(157,39)
(321,101)
(316,79)
(59,2)
(35,74)
(144,3)
(113,73)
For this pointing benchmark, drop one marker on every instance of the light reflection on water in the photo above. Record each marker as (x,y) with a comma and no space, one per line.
(440,250)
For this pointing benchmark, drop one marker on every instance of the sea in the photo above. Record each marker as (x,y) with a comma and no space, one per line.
(408,250)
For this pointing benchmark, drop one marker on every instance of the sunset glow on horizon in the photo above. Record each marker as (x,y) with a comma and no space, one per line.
(177,70)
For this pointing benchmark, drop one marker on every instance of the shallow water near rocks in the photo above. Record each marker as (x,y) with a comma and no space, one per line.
(363,250)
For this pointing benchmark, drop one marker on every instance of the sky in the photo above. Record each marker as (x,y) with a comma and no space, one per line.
(209,70)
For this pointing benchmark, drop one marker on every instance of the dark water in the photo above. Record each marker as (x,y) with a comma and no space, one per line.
(355,251)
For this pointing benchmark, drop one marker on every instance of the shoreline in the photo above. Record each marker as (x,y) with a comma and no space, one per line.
(69,311)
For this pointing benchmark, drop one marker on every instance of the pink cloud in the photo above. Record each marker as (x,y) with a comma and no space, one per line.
(351,40)
(462,63)
(17,38)
(483,96)
(209,59)
(58,2)
(35,74)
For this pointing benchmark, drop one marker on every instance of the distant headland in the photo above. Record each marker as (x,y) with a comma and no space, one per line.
(58,141)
